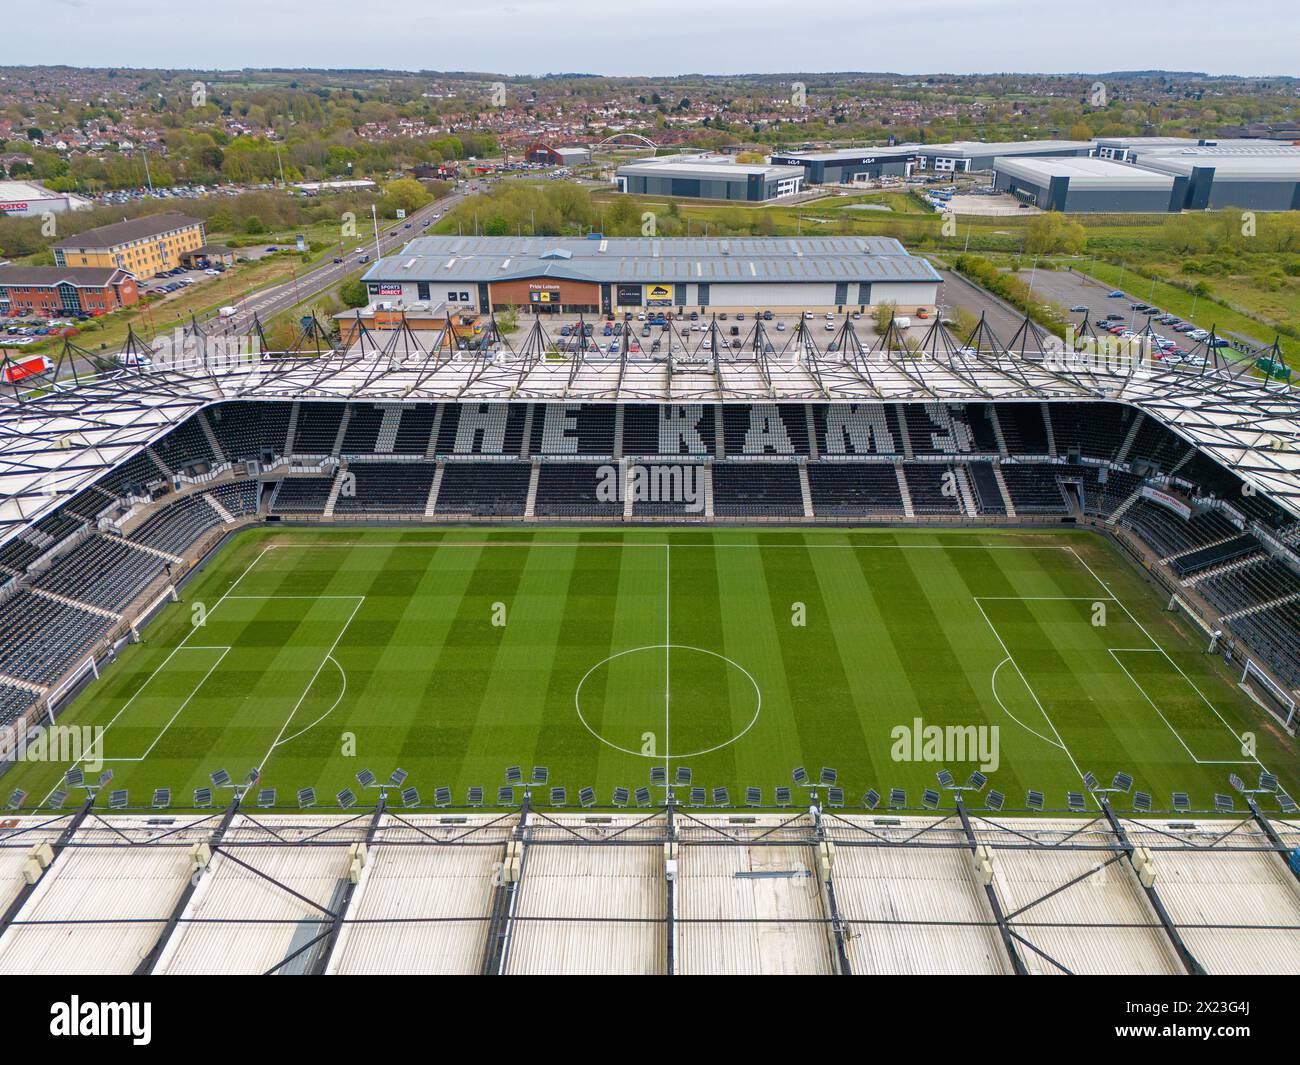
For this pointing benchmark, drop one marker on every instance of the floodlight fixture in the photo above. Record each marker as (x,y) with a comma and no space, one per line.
(945,779)
(1287,804)
(1223,803)
(753,796)
(1122,782)
(1142,802)
(1090,781)
(442,796)
(505,795)
(105,778)
(721,797)
(1267,781)
(783,796)
(541,774)
(871,799)
(621,796)
(514,775)
(829,776)
(474,796)
(642,796)
(897,798)
(698,798)
(587,796)
(684,776)
(57,799)
(559,796)
(398,778)
(930,799)
(162,798)
(118,799)
(1035,799)
(411,796)
(202,797)
(366,778)
(16,799)
(995,800)
(266,798)
(346,798)
(1075,801)
(976,781)
(658,776)
(1181,802)
(306,798)
(220,779)
(800,776)
(74,777)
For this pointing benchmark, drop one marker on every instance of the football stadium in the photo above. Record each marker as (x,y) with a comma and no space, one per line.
(427,653)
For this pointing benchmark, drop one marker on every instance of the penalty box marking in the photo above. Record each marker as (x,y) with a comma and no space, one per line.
(225,649)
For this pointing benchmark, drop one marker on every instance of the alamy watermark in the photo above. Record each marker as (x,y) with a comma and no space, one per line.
(73,744)
(681,483)
(947,744)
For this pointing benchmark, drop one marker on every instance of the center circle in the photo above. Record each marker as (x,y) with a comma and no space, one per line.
(639,688)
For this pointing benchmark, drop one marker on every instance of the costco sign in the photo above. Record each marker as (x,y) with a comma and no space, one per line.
(13,206)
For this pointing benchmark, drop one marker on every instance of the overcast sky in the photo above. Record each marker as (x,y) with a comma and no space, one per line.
(673,36)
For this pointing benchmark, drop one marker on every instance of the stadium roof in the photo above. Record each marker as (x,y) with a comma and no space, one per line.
(636,260)
(593,896)
(1085,172)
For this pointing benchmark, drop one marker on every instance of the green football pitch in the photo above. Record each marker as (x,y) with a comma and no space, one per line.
(599,653)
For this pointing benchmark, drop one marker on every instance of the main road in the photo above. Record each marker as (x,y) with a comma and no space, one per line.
(268,302)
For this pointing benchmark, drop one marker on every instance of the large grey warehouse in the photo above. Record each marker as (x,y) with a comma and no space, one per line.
(852,165)
(711,177)
(1249,178)
(1087,185)
(574,275)
(977,155)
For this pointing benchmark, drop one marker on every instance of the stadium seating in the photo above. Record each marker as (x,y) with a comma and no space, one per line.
(756,489)
(102,571)
(41,637)
(302,495)
(388,488)
(853,488)
(1034,488)
(484,489)
(567,489)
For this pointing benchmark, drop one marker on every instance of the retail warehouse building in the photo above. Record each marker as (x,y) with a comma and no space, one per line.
(605,276)
(709,177)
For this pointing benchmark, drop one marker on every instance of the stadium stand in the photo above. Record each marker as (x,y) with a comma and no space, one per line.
(1034,488)
(756,489)
(484,489)
(40,637)
(388,488)
(569,489)
(302,495)
(855,488)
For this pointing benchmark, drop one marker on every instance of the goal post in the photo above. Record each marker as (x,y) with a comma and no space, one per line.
(1268,694)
